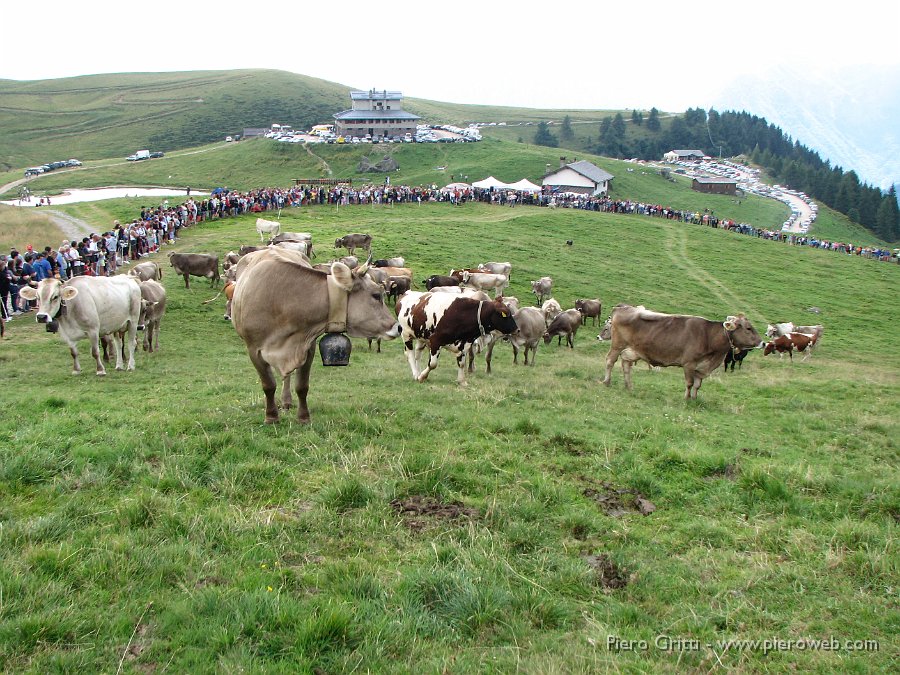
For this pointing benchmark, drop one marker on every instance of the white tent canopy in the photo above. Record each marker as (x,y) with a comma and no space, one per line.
(456,186)
(525,185)
(490,182)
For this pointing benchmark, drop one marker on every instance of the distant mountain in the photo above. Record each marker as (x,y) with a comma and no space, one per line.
(849,117)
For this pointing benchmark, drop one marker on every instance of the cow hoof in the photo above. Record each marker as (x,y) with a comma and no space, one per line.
(272,420)
(101,373)
(287,406)
(422,377)
(76,372)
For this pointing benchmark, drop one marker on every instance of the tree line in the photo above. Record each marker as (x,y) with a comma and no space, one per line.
(729,134)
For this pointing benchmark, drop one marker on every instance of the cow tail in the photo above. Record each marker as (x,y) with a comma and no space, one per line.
(158,273)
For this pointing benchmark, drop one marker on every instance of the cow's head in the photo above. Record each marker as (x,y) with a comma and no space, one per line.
(502,317)
(606,333)
(741,332)
(367,315)
(770,347)
(51,295)
(579,305)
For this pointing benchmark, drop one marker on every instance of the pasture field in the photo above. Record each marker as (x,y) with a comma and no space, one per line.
(19,227)
(150,521)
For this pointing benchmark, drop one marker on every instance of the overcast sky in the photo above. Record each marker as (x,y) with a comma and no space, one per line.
(596,55)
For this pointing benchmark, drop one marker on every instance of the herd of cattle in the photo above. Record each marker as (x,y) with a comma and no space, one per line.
(280,303)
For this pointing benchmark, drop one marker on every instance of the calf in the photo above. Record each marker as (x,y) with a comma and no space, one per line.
(589,309)
(566,323)
(351,242)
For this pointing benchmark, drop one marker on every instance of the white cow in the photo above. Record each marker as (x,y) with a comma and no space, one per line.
(88,307)
(551,309)
(503,268)
(267,227)
(484,281)
(542,288)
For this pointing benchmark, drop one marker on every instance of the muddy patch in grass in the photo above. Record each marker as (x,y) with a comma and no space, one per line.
(608,575)
(728,472)
(418,511)
(616,501)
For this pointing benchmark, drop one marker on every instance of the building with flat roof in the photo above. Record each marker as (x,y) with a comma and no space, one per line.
(376,113)
(717,186)
(683,155)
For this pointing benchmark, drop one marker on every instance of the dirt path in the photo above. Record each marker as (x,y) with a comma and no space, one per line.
(73,228)
(676,249)
(312,154)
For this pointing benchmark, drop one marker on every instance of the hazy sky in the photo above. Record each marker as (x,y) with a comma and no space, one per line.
(574,54)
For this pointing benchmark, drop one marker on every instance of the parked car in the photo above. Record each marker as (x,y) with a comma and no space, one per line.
(157,154)
(73,162)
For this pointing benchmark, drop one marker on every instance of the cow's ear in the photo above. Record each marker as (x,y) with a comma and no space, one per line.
(729,325)
(342,275)
(28,293)
(69,292)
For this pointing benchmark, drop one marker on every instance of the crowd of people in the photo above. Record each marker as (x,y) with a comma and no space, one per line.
(103,254)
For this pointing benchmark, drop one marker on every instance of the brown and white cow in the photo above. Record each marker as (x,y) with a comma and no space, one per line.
(590,309)
(542,288)
(351,242)
(788,343)
(153,307)
(696,344)
(146,271)
(89,307)
(447,320)
(566,323)
(196,265)
(281,305)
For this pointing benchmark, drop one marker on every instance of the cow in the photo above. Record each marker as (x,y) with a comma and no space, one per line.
(606,331)
(566,323)
(247,250)
(589,309)
(776,329)
(153,306)
(550,309)
(229,296)
(735,357)
(484,281)
(788,343)
(281,305)
(530,329)
(146,271)
(541,288)
(503,268)
(290,236)
(390,262)
(88,307)
(267,227)
(447,320)
(351,242)
(814,331)
(197,265)
(230,260)
(304,247)
(397,286)
(696,344)
(436,280)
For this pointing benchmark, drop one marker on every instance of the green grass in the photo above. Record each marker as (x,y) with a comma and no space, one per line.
(151,518)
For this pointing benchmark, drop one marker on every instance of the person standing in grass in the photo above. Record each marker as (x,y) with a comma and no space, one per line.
(62,261)
(7,288)
(111,244)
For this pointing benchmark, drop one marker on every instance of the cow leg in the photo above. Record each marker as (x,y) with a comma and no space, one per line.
(302,387)
(95,352)
(461,369)
(489,355)
(187,284)
(611,359)
(131,344)
(434,353)
(411,348)
(76,367)
(268,384)
(570,340)
(626,371)
(287,400)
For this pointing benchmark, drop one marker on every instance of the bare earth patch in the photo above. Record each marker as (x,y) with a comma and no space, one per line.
(609,575)
(417,511)
(617,502)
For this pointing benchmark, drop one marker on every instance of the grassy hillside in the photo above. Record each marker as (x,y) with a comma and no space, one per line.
(97,116)
(150,520)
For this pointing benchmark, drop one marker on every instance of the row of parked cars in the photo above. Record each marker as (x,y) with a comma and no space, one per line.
(144,154)
(45,168)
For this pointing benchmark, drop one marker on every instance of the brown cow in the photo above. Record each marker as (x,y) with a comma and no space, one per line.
(566,323)
(696,344)
(153,306)
(590,309)
(197,265)
(351,242)
(281,305)
(788,343)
